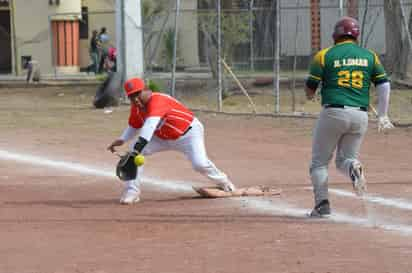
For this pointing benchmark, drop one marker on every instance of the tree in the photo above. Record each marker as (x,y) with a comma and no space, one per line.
(398,52)
(235,30)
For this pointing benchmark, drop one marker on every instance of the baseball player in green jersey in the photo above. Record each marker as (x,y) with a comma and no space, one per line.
(346,71)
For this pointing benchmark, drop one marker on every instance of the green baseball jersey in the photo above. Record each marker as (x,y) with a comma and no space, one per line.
(346,71)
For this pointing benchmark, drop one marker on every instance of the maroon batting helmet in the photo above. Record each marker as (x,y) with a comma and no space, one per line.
(346,26)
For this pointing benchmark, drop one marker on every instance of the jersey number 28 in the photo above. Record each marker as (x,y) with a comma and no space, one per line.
(350,79)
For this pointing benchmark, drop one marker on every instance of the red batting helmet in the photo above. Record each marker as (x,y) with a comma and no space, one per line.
(133,85)
(346,26)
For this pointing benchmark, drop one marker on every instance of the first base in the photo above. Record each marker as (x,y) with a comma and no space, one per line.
(214,192)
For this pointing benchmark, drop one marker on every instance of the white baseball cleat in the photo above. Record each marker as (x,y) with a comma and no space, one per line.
(226,186)
(358,178)
(130,196)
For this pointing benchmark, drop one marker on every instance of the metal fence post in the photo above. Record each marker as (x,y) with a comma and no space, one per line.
(219,61)
(252,65)
(173,92)
(277,55)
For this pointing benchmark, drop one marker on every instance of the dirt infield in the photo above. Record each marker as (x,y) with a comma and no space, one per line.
(59,210)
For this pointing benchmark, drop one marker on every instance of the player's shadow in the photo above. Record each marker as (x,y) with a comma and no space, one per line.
(214,215)
(62,203)
(97,202)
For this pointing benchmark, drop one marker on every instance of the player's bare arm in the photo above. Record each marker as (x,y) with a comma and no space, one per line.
(114,144)
(127,135)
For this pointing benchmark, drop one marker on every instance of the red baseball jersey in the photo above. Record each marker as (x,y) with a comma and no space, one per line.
(175,117)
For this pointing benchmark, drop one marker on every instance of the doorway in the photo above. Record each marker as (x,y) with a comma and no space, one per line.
(5,42)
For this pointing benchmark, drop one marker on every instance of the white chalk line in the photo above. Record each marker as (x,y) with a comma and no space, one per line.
(88,170)
(398,203)
(266,206)
(389,202)
(284,209)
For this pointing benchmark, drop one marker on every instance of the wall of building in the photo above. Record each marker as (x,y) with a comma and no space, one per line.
(33,30)
(32,39)
(66,10)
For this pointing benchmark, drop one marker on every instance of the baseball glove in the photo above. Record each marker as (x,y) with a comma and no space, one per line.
(126,169)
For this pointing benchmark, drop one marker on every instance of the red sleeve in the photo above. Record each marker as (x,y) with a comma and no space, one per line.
(135,118)
(158,106)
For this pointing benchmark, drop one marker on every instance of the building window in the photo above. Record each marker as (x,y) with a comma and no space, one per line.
(4,3)
(25,60)
(54,2)
(84,24)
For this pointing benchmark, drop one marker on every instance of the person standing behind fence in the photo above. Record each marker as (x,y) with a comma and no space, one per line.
(104,40)
(346,71)
(94,52)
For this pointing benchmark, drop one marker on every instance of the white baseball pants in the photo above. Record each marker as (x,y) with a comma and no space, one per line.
(192,145)
(340,129)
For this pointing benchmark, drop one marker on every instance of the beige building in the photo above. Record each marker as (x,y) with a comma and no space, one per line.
(56,33)
(30,34)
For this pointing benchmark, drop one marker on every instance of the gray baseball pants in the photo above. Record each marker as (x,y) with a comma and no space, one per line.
(342,129)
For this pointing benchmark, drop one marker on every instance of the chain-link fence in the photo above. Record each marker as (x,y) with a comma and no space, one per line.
(244,78)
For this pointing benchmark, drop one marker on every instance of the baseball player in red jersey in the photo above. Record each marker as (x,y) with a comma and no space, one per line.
(164,124)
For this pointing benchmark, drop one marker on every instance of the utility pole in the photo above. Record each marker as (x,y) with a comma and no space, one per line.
(340,8)
(129,38)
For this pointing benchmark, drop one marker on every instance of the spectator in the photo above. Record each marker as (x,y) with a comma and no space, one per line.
(94,52)
(104,40)
(103,36)
(110,61)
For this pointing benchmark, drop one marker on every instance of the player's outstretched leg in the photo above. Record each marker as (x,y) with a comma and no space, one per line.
(348,152)
(213,173)
(357,176)
(193,146)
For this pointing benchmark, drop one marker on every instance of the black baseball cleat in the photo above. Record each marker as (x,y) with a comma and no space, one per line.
(321,210)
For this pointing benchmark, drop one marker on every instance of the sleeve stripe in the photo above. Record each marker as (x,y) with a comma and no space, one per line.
(315,77)
(380,76)
(323,56)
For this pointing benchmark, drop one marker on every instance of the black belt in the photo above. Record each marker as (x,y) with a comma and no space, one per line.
(362,108)
(187,130)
